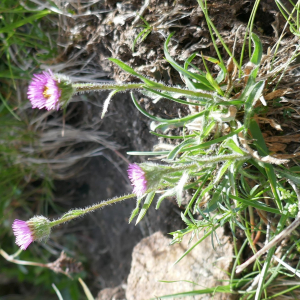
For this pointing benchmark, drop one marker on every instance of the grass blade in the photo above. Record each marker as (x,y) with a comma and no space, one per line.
(86,290)
(218,140)
(256,204)
(128,69)
(263,151)
(171,121)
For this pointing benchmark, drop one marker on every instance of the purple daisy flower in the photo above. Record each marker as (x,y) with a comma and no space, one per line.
(44,92)
(23,234)
(36,228)
(138,179)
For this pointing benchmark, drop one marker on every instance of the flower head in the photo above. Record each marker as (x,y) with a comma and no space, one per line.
(138,179)
(23,234)
(50,91)
(34,229)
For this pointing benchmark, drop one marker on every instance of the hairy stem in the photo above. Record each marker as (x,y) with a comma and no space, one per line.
(89,87)
(79,212)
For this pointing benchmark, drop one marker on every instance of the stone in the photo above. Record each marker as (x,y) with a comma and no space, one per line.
(152,261)
(117,293)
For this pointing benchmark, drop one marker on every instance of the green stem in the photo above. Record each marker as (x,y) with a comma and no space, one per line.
(89,87)
(185,92)
(164,170)
(79,212)
(226,157)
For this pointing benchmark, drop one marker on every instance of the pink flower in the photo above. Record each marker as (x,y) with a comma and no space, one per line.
(44,92)
(36,228)
(138,179)
(24,236)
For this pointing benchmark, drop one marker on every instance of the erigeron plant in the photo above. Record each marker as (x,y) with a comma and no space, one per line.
(222,158)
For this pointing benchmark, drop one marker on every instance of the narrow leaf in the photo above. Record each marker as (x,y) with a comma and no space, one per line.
(263,151)
(250,102)
(256,204)
(128,69)
(145,207)
(171,121)
(180,69)
(218,140)
(86,290)
(106,103)
(168,193)
(177,149)
(258,49)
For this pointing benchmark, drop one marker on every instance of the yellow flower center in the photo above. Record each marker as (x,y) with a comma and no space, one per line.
(45,93)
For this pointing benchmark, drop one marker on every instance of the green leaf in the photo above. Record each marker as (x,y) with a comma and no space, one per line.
(264,273)
(196,244)
(128,69)
(218,140)
(106,102)
(180,186)
(86,290)
(188,62)
(230,143)
(202,79)
(172,136)
(249,87)
(263,151)
(157,153)
(13,26)
(171,121)
(256,204)
(289,175)
(203,192)
(223,71)
(258,49)
(168,96)
(211,80)
(186,220)
(177,149)
(222,171)
(145,207)
(216,197)
(165,126)
(136,210)
(185,295)
(195,85)
(146,31)
(57,292)
(207,129)
(168,193)
(8,108)
(250,102)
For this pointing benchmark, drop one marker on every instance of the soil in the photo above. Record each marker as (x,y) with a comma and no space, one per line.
(107,240)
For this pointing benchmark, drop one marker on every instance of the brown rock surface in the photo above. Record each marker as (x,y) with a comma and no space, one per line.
(152,260)
(117,293)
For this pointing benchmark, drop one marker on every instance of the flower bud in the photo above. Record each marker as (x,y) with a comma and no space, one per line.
(26,232)
(50,91)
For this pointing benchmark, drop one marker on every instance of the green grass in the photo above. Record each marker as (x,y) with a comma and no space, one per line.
(242,180)
(20,37)
(26,188)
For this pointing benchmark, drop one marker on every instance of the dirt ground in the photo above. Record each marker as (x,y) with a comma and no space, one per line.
(105,237)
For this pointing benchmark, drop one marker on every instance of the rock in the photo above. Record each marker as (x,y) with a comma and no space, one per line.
(153,257)
(117,293)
